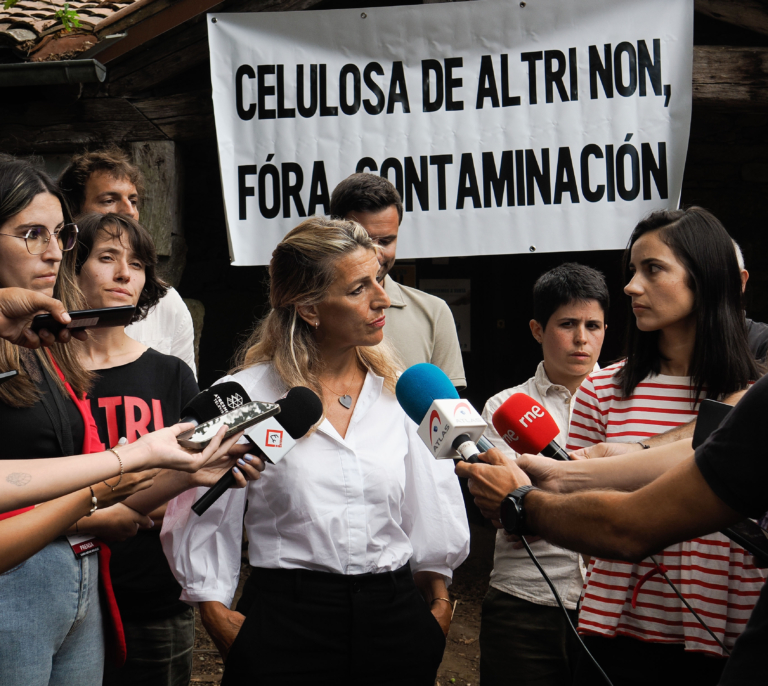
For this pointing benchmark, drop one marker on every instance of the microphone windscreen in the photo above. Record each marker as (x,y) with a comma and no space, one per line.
(299,411)
(524,424)
(419,386)
(216,401)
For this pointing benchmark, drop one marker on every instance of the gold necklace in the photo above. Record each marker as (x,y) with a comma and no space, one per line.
(346,399)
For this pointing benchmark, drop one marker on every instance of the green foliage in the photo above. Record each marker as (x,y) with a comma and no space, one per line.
(68,17)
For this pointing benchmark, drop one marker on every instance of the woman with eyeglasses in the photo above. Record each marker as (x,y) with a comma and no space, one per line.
(51,625)
(52,622)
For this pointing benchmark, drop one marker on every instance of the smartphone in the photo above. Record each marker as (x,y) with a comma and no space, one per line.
(86,319)
(7,376)
(237,420)
(711,415)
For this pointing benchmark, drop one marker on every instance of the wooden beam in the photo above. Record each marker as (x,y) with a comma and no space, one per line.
(172,54)
(748,14)
(161,206)
(56,120)
(730,77)
(166,61)
(183,116)
(28,122)
(175,15)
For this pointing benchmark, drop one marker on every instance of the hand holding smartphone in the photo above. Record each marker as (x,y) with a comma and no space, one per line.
(86,319)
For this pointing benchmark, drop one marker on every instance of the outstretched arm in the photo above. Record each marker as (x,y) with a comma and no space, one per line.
(26,534)
(626,472)
(677,506)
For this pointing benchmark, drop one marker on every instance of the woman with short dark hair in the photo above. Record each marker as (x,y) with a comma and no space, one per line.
(688,341)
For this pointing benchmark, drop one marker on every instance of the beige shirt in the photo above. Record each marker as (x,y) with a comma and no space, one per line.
(513,571)
(420,327)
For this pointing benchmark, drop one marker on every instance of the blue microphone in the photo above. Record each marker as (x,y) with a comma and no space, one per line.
(447,424)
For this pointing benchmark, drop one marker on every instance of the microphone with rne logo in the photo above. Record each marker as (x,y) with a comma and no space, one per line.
(527,427)
(274,438)
(448,425)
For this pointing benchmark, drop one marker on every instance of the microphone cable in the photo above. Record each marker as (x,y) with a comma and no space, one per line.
(690,609)
(563,608)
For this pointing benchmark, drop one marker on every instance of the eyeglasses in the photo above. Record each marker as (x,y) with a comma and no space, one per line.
(38,238)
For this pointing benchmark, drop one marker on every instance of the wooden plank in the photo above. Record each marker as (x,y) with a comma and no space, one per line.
(748,14)
(167,20)
(169,55)
(183,116)
(130,16)
(165,62)
(161,206)
(63,123)
(17,138)
(729,76)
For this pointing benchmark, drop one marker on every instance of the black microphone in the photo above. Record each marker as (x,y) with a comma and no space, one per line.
(274,438)
(213,402)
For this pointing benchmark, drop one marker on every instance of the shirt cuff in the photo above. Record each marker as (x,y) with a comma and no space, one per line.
(203,596)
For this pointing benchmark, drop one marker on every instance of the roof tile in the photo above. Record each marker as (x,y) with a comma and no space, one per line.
(35,20)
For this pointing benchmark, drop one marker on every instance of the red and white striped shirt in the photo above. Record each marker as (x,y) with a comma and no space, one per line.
(715,575)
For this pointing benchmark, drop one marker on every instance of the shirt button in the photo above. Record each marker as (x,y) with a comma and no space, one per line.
(355,587)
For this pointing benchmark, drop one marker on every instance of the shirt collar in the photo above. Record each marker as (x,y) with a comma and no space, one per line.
(371,391)
(395,293)
(544,385)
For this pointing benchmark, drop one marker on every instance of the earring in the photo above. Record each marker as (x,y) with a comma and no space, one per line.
(317,325)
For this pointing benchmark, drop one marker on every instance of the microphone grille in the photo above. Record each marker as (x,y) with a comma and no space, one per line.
(524,424)
(215,401)
(299,411)
(419,386)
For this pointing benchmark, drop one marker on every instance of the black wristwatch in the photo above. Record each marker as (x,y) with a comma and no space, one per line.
(513,512)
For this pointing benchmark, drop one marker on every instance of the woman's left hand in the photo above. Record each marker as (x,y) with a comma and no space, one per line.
(432,586)
(235,456)
(443,613)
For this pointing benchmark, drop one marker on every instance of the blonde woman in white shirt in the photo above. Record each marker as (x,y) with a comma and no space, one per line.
(522,631)
(354,535)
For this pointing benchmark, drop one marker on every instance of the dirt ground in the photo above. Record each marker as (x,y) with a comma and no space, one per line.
(461,662)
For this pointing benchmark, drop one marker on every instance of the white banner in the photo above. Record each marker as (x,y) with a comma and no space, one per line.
(508,127)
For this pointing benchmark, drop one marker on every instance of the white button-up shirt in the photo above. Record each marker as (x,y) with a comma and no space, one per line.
(168,328)
(513,571)
(368,502)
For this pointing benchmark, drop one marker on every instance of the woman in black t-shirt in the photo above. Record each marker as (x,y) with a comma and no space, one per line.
(137,390)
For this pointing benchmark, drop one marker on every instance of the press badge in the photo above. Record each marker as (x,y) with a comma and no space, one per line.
(83,545)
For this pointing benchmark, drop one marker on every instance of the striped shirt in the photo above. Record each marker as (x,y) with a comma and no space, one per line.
(715,575)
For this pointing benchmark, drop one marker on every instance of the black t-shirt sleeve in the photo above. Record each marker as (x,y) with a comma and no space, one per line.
(734,459)
(188,384)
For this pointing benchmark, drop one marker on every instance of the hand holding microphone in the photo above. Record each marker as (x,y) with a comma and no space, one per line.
(274,437)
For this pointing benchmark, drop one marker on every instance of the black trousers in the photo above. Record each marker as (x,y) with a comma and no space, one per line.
(525,644)
(311,627)
(631,662)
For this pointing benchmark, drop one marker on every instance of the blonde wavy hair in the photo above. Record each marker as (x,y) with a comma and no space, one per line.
(302,269)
